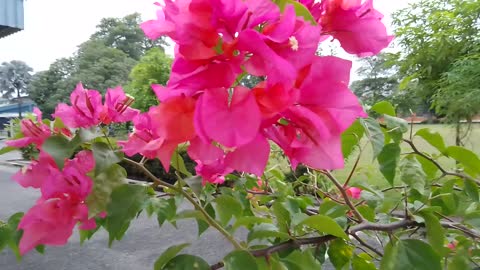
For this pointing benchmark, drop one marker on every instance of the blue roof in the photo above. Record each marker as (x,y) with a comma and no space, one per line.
(11,17)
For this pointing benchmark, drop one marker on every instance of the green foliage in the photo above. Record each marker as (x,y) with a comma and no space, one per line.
(126,202)
(433,35)
(186,262)
(15,76)
(167,255)
(238,260)
(388,160)
(410,254)
(153,68)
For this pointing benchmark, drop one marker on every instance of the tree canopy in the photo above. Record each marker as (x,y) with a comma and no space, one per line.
(15,76)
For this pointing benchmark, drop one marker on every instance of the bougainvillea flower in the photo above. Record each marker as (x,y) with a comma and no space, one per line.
(213,172)
(324,91)
(274,100)
(33,132)
(354,192)
(142,135)
(299,147)
(199,75)
(117,107)
(50,222)
(144,140)
(173,119)
(231,120)
(188,23)
(206,152)
(85,110)
(72,180)
(36,172)
(251,158)
(356,25)
(230,17)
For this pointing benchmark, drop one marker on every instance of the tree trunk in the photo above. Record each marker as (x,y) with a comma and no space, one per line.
(458,138)
(19,103)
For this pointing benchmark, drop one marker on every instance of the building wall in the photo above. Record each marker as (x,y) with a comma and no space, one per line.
(11,17)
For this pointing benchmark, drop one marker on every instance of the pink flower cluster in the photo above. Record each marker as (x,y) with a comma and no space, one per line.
(87,109)
(303,103)
(62,203)
(64,191)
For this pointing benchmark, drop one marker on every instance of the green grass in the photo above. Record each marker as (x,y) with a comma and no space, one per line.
(368,169)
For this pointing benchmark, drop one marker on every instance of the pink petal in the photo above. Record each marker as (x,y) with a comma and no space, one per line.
(233,124)
(251,158)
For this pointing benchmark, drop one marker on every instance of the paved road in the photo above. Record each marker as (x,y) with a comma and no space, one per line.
(143,243)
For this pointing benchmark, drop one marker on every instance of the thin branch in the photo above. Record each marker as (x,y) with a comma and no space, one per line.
(354,168)
(434,162)
(344,194)
(365,244)
(296,243)
(212,222)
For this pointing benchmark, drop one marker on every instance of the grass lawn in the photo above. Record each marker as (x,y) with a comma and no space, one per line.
(368,169)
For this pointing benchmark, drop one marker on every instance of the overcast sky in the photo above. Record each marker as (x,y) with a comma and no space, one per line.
(54,28)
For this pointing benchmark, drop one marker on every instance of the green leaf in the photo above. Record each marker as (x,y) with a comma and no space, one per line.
(13,222)
(59,148)
(88,134)
(460,260)
(435,231)
(300,260)
(404,83)
(227,207)
(126,202)
(473,219)
(396,127)
(359,263)
(350,138)
(249,221)
(472,189)
(186,262)
(5,235)
(195,183)
(410,254)
(164,208)
(367,212)
(325,225)
(340,253)
(104,156)
(433,138)
(168,255)
(374,134)
(40,249)
(282,216)
(428,167)
(388,160)
(384,107)
(332,209)
(7,149)
(103,185)
(179,165)
(300,10)
(412,174)
(239,260)
(467,158)
(265,231)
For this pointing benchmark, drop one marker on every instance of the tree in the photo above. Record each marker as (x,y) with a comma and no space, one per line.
(379,81)
(125,34)
(50,87)
(458,95)
(100,67)
(14,79)
(433,34)
(153,68)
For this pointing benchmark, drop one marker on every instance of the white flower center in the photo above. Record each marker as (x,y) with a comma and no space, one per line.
(293,42)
